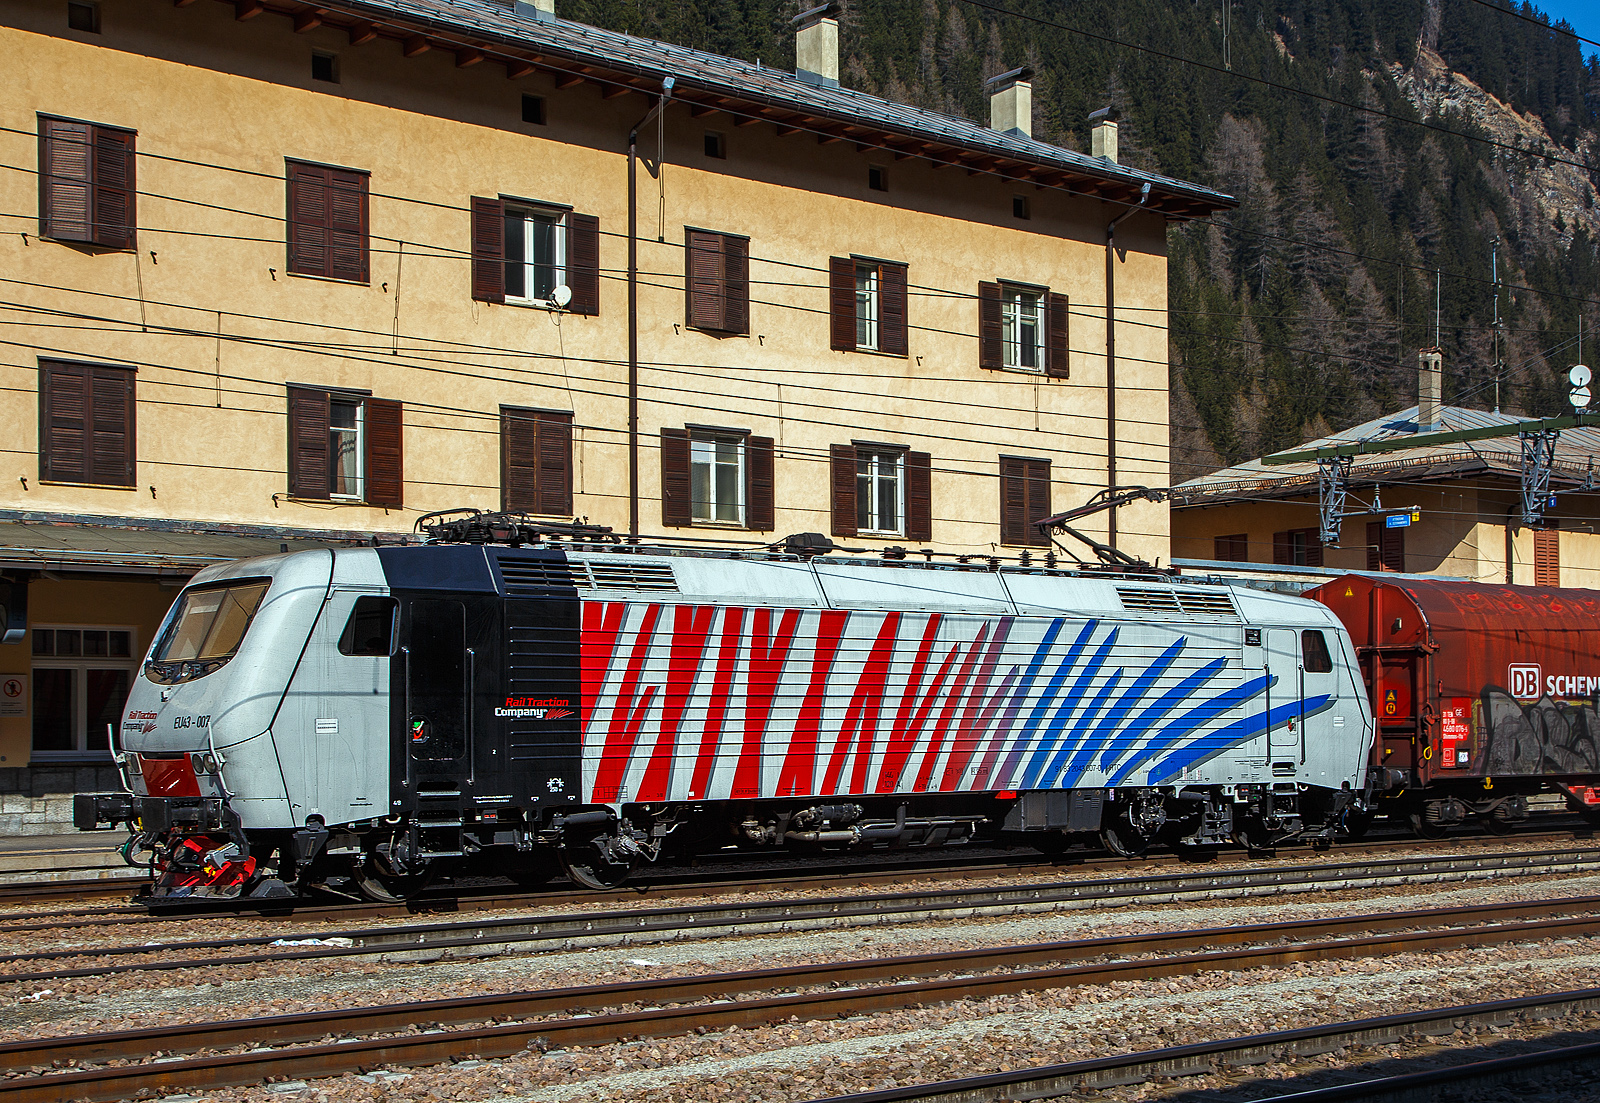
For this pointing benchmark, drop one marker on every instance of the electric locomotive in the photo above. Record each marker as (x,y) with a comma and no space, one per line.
(364,719)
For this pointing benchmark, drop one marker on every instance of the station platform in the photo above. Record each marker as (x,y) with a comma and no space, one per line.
(81,856)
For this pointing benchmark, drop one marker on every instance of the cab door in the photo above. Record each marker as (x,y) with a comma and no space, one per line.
(1286,687)
(435,679)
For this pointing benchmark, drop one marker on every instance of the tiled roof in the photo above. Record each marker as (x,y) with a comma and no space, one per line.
(1574,457)
(559,41)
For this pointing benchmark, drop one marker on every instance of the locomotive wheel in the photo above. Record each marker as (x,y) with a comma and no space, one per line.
(376,880)
(1123,840)
(586,864)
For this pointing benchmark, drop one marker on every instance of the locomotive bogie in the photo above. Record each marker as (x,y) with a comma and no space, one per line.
(368,719)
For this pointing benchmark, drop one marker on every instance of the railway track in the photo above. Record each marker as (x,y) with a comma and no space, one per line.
(484,937)
(301,1046)
(692,883)
(1228,1055)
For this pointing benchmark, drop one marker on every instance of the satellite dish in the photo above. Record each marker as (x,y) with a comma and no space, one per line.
(1579,376)
(1579,397)
(561,296)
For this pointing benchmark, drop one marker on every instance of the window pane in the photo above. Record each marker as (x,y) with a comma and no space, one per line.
(52,709)
(867,306)
(210,624)
(121,645)
(370,629)
(727,492)
(44,641)
(889,504)
(1314,652)
(94,643)
(545,258)
(108,692)
(344,448)
(700,490)
(69,641)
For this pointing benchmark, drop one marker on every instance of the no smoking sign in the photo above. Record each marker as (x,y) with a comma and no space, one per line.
(13,695)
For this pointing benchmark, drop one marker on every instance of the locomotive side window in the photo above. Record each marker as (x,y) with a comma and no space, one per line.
(370,629)
(210,623)
(1314,652)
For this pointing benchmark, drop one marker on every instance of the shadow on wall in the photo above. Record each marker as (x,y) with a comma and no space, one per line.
(1543,737)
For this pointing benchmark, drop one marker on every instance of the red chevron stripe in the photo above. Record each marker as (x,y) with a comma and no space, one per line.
(909,721)
(768,650)
(717,705)
(863,711)
(626,719)
(953,702)
(968,737)
(800,765)
(601,623)
(691,625)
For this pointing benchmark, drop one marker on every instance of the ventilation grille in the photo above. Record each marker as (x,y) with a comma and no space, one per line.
(625,576)
(533,576)
(1149,601)
(1195,603)
(1207,604)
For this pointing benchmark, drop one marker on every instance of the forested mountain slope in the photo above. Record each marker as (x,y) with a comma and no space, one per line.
(1371,142)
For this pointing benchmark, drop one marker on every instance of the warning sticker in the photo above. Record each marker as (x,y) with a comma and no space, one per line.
(1389,705)
(1455,734)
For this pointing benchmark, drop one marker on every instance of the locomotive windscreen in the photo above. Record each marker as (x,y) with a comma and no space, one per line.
(209,623)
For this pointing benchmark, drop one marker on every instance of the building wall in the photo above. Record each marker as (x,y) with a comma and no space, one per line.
(1461,532)
(217,327)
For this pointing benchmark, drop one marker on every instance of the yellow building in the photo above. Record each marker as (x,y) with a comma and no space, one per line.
(304,274)
(1450,509)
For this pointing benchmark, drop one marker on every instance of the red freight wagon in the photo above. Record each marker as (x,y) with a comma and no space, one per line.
(1484,695)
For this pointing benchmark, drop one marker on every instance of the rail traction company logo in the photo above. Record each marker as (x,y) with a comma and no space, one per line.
(1524,680)
(534,708)
(142,722)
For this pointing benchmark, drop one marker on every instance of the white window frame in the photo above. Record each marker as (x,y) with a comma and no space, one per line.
(529,214)
(82,664)
(360,433)
(1014,314)
(702,453)
(869,306)
(874,458)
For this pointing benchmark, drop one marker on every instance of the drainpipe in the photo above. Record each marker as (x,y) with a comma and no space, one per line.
(1111,355)
(1511,545)
(633,305)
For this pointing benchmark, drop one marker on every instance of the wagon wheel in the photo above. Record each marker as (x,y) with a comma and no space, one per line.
(592,867)
(1421,825)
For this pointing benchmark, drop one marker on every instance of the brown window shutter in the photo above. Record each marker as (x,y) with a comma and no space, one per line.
(760,505)
(519,461)
(347,223)
(64,396)
(1234,548)
(1546,557)
(1394,549)
(308,229)
(892,310)
(308,443)
(111,436)
(1313,548)
(703,280)
(919,497)
(488,250)
(842,464)
(1038,502)
(841,307)
(385,453)
(583,263)
(114,188)
(675,506)
(555,464)
(1283,550)
(990,351)
(65,207)
(736,284)
(1056,360)
(1013,500)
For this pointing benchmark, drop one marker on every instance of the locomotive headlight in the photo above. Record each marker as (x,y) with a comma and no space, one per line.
(209,761)
(134,766)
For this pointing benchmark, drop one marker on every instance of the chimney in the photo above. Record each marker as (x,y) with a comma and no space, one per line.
(1430,388)
(1103,137)
(535,9)
(816,45)
(1011,102)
